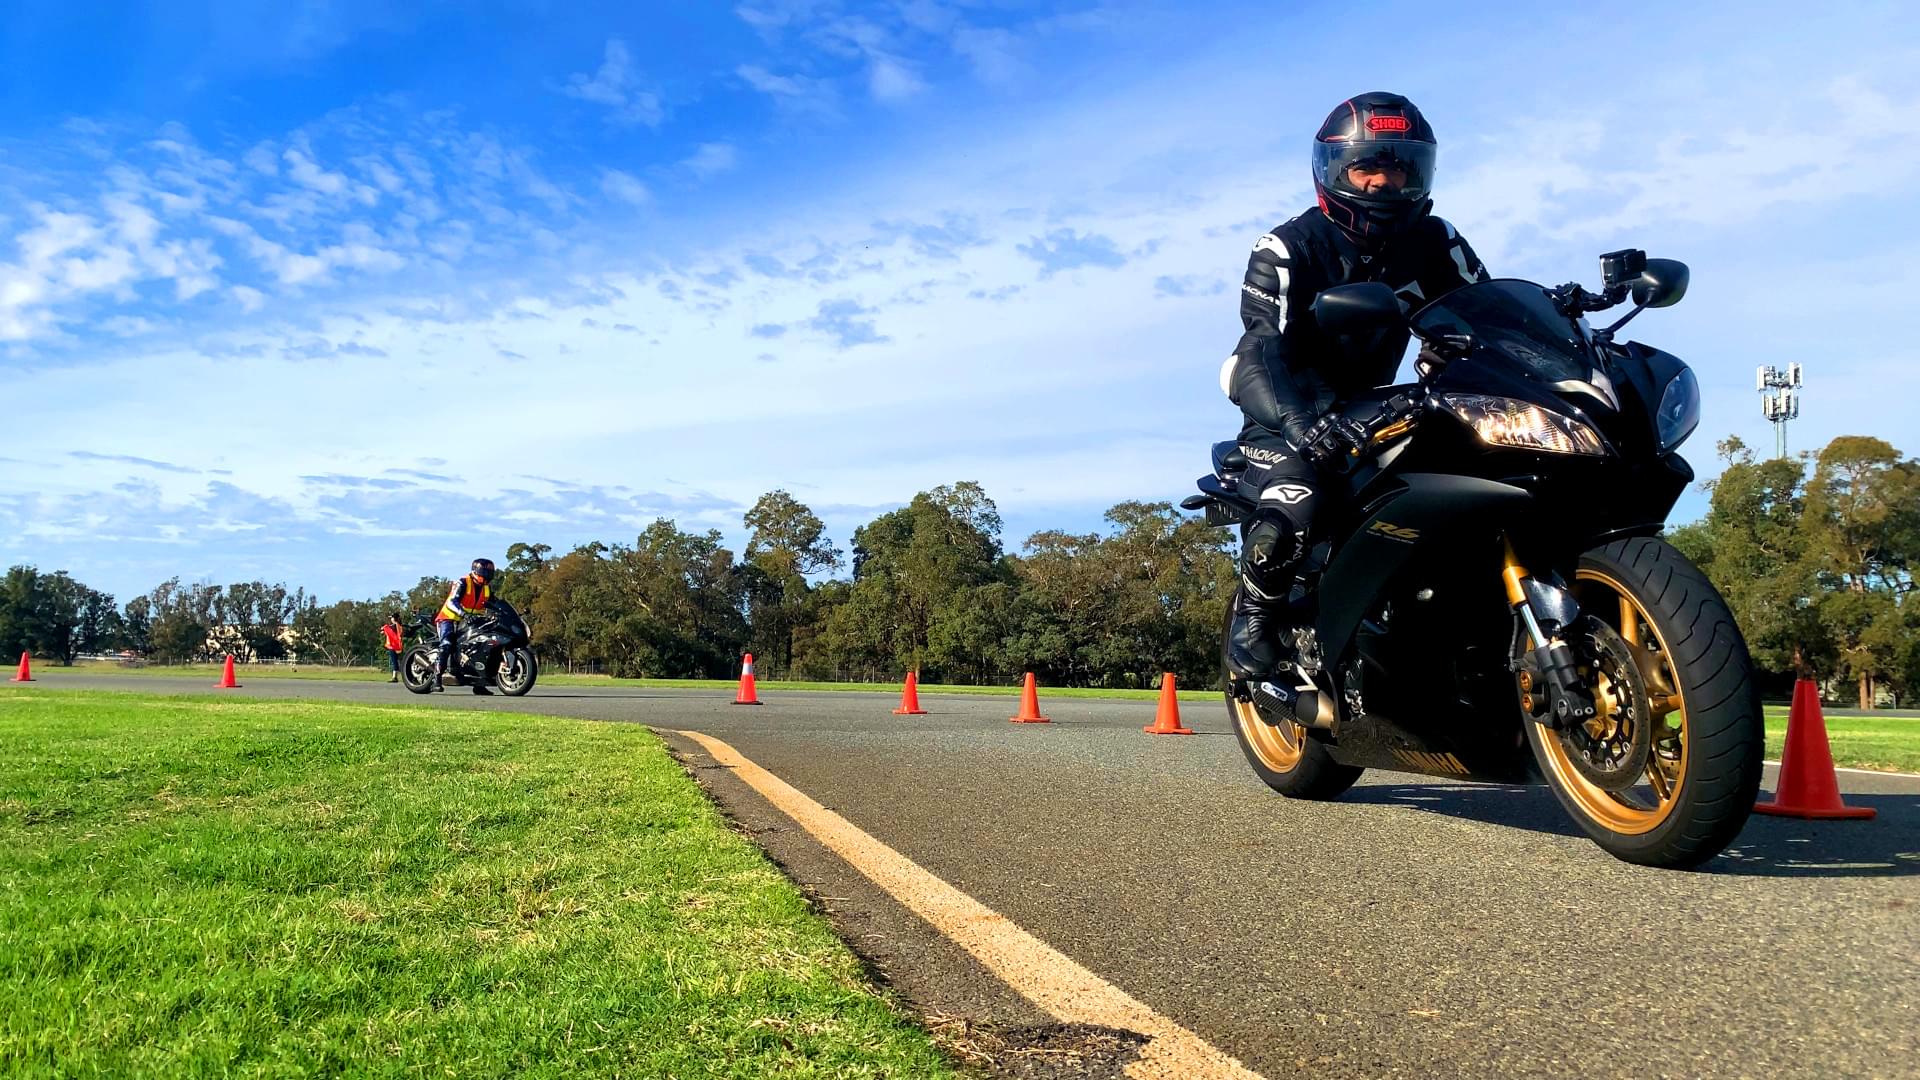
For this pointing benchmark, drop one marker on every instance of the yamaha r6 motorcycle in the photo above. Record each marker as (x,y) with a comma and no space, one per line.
(495,642)
(1494,601)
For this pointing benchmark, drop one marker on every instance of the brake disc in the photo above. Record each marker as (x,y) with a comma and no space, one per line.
(1610,750)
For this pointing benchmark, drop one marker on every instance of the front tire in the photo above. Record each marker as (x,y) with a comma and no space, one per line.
(416,669)
(1283,755)
(1704,772)
(518,670)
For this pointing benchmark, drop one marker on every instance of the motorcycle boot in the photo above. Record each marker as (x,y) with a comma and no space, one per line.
(1269,551)
(1253,634)
(443,660)
(481,690)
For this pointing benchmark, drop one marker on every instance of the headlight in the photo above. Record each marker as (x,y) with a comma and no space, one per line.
(1522,424)
(1679,409)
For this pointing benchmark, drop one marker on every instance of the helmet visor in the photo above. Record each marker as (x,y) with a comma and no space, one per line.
(1387,170)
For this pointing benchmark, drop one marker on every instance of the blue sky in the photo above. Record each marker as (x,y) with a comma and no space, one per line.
(330,294)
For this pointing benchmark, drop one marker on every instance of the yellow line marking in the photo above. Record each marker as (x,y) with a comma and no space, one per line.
(1037,971)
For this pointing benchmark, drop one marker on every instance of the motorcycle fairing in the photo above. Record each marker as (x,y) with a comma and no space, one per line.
(1425,509)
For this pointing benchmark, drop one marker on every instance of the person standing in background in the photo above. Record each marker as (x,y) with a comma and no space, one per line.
(390,633)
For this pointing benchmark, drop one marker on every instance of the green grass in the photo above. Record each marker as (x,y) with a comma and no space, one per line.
(229,888)
(1858,742)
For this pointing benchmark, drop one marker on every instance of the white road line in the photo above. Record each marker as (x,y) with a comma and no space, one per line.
(1048,978)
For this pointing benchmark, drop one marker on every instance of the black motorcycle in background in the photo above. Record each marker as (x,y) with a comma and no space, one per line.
(493,649)
(1492,600)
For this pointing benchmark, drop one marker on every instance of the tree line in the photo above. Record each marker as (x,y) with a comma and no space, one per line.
(56,617)
(1815,556)
(928,587)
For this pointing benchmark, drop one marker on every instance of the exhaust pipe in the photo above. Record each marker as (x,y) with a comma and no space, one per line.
(1308,708)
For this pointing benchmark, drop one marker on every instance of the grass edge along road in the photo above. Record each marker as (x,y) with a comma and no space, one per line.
(196,886)
(561,678)
(1884,743)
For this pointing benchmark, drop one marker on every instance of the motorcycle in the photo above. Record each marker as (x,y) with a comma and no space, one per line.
(493,649)
(1493,601)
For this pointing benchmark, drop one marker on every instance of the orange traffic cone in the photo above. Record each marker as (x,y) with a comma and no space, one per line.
(910,697)
(1808,787)
(1167,720)
(1030,706)
(746,696)
(26,670)
(226,678)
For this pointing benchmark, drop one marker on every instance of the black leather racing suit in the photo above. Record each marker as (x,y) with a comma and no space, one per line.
(1285,374)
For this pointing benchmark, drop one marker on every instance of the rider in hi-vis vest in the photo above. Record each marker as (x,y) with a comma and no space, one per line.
(467,598)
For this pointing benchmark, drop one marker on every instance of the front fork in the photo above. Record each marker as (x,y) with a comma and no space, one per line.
(1551,689)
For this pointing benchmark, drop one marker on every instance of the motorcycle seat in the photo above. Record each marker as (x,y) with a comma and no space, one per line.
(1228,458)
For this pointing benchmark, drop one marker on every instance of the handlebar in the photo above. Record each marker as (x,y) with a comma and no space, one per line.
(1574,300)
(1399,415)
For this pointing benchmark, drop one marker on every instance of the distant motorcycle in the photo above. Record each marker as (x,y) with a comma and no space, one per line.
(493,649)
(1495,580)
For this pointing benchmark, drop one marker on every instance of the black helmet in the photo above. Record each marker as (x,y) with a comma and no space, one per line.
(1384,131)
(483,568)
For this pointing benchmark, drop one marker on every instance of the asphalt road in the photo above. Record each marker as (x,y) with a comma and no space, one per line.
(1416,928)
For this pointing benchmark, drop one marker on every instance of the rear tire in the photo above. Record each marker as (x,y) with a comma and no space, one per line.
(1701,783)
(416,669)
(1283,755)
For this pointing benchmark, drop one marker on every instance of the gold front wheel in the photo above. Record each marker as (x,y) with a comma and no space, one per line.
(1694,688)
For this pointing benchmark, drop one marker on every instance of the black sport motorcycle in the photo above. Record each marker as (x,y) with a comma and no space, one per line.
(493,649)
(1494,601)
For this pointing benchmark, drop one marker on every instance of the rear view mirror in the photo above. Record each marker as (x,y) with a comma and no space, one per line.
(1661,284)
(1363,308)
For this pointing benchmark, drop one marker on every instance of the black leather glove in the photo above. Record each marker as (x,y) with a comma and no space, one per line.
(1334,442)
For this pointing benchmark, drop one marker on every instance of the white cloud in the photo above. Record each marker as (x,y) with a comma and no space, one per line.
(624,188)
(994,55)
(139,225)
(792,93)
(381,174)
(616,87)
(928,16)
(893,79)
(1793,144)
(768,83)
(70,256)
(767,19)
(262,159)
(305,172)
(711,159)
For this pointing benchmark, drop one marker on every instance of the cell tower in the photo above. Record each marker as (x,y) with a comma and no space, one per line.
(1779,401)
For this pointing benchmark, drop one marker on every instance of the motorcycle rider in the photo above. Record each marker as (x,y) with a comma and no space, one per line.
(467,598)
(1373,163)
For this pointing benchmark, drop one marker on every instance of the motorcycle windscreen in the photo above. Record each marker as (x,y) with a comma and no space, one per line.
(1513,323)
(507,618)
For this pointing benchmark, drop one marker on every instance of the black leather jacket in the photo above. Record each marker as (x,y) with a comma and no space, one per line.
(1285,374)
